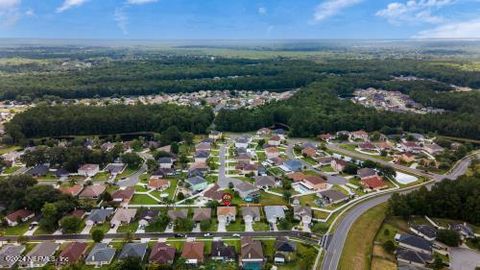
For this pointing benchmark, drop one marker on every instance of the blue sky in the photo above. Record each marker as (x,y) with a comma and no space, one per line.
(240,19)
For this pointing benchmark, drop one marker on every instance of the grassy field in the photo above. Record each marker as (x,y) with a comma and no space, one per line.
(10,170)
(142,199)
(270,199)
(357,252)
(236,226)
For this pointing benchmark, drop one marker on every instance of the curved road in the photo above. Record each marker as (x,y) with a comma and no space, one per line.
(334,250)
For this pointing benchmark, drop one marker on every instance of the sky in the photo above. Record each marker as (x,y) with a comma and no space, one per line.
(239,19)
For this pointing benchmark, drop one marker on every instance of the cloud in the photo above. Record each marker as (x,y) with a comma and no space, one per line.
(30,12)
(122,19)
(262,11)
(68,4)
(414,11)
(140,2)
(463,29)
(9,12)
(330,8)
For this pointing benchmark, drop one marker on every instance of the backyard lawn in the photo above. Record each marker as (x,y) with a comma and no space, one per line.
(270,199)
(308,199)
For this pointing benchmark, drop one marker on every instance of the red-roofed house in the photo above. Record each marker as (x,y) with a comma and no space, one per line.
(158,183)
(72,190)
(359,135)
(21,215)
(309,152)
(338,164)
(74,252)
(374,183)
(123,196)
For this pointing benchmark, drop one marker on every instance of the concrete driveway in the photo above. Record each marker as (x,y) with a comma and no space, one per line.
(248,224)
(87,229)
(196,228)
(222,225)
(464,259)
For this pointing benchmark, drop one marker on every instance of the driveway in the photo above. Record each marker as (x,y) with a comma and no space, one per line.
(196,228)
(464,259)
(87,229)
(222,225)
(248,224)
(223,181)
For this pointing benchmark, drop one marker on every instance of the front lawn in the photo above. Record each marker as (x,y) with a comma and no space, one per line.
(16,230)
(141,188)
(132,227)
(11,170)
(308,199)
(143,199)
(127,172)
(101,176)
(261,226)
(236,226)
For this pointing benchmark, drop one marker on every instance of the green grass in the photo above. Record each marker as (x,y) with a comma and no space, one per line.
(236,226)
(141,188)
(142,199)
(275,171)
(211,178)
(132,227)
(270,199)
(127,172)
(16,230)
(327,168)
(308,199)
(320,214)
(101,176)
(261,226)
(358,248)
(11,170)
(4,150)
(103,227)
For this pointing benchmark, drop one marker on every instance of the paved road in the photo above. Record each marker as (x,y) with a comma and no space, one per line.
(223,180)
(464,259)
(133,179)
(307,237)
(333,251)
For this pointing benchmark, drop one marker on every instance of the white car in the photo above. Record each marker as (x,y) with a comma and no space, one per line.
(207,235)
(236,235)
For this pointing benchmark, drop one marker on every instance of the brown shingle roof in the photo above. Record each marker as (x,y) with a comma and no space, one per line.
(74,251)
(193,250)
(162,253)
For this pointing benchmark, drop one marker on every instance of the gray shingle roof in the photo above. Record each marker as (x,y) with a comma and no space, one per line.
(101,252)
(137,250)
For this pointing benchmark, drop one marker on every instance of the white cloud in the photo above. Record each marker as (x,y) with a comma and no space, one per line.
(262,11)
(68,4)
(464,29)
(122,19)
(330,8)
(140,2)
(414,11)
(30,12)
(9,12)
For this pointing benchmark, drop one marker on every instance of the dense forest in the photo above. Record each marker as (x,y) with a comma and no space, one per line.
(44,121)
(457,200)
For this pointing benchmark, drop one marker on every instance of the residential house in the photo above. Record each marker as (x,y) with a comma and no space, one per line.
(314,182)
(163,173)
(147,216)
(99,216)
(10,255)
(333,196)
(373,183)
(247,168)
(193,252)
(226,214)
(201,156)
(107,147)
(302,213)
(242,142)
(309,152)
(61,173)
(123,196)
(100,255)
(433,149)
(203,146)
(78,213)
(265,182)
(275,140)
(74,252)
(215,135)
(71,190)
(359,135)
(200,214)
(115,168)
(222,252)
(123,216)
(338,164)
(40,255)
(412,257)
(162,254)
(214,193)
(243,158)
(92,192)
(425,231)
(251,253)
(284,250)
(12,157)
(272,152)
(264,132)
(19,216)
(88,170)
(177,214)
(158,183)
(246,191)
(282,133)
(197,183)
(38,170)
(274,213)
(324,161)
(292,165)
(165,162)
(133,250)
(414,242)
(409,146)
(251,213)
(407,157)
(366,173)
(367,146)
(198,169)
(326,137)
(296,176)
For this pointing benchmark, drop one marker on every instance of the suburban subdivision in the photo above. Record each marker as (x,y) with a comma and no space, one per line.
(199,157)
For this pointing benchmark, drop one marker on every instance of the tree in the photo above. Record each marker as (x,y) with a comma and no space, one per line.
(106,197)
(187,137)
(287,195)
(350,168)
(284,224)
(70,224)
(132,160)
(98,235)
(205,224)
(184,224)
(388,172)
(174,148)
(129,263)
(37,196)
(389,246)
(152,165)
(50,216)
(180,196)
(449,238)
